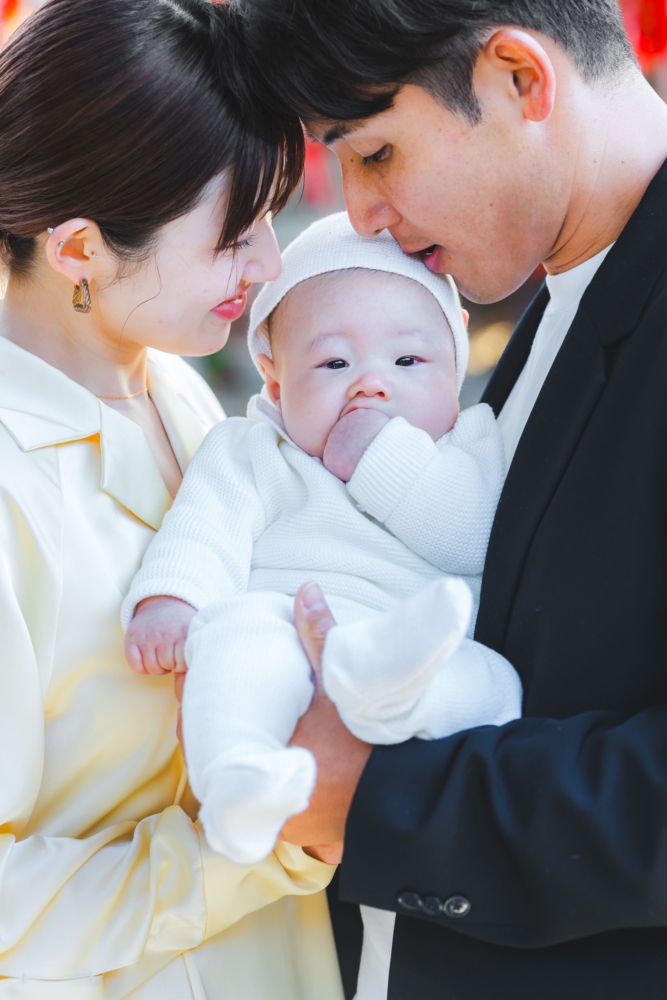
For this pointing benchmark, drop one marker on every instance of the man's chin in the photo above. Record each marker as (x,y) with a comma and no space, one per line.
(479,287)
(486,291)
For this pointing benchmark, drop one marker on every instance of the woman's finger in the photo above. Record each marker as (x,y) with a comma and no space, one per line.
(313,619)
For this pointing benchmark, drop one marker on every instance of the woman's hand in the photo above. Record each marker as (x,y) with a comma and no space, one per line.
(340,756)
(155,639)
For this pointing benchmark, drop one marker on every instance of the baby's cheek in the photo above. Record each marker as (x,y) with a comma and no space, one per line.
(308,422)
(436,408)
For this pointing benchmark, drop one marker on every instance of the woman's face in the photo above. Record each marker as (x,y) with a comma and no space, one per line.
(185,296)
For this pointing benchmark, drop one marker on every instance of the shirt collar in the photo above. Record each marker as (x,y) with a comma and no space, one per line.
(41,407)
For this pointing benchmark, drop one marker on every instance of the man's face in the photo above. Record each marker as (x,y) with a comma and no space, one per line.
(489,198)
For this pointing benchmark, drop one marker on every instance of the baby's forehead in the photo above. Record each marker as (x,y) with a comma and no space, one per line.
(333,287)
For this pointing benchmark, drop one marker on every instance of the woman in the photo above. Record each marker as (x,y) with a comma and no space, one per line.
(133,201)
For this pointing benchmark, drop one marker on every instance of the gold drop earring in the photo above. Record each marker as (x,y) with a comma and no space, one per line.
(81,298)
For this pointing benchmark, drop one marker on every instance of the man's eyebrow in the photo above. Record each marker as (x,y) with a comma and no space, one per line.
(337,131)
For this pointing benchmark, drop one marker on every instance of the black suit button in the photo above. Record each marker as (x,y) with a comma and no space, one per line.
(410,901)
(457,907)
(432,906)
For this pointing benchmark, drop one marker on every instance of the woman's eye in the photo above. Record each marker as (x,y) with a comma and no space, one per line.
(336,365)
(381,155)
(406,362)
(244,244)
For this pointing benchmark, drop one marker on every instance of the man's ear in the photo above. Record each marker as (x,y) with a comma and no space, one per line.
(527,69)
(269,371)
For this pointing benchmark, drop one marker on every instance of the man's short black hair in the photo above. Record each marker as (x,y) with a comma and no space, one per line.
(344,60)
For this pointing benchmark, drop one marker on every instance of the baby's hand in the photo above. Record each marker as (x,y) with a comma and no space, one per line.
(348,440)
(155,639)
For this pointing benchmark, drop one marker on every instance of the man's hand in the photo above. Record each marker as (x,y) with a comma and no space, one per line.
(340,756)
(348,440)
(155,639)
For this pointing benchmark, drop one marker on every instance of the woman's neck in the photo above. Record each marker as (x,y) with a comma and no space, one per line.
(37,315)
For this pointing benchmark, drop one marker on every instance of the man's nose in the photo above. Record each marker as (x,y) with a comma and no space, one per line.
(369,385)
(369,210)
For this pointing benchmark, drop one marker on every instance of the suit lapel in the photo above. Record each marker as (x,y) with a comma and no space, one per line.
(516,353)
(568,398)
(607,314)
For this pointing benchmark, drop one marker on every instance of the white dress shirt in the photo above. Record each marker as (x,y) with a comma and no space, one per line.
(566,291)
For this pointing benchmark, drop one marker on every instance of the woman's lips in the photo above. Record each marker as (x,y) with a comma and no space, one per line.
(232,309)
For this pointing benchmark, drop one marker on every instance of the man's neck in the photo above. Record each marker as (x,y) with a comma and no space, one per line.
(624,146)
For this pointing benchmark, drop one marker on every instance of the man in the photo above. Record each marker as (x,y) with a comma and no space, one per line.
(528,861)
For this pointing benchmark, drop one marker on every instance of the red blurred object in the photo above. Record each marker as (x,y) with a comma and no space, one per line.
(318,187)
(653,27)
(646,24)
(8,9)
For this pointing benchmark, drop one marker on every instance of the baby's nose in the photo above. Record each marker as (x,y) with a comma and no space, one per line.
(369,385)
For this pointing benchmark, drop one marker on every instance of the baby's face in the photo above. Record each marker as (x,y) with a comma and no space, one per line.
(360,340)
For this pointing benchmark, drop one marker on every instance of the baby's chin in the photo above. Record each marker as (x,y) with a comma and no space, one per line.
(306,440)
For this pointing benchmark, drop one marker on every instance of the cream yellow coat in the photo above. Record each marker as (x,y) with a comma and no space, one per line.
(107,888)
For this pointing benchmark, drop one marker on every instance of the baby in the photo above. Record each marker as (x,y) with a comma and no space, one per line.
(353,468)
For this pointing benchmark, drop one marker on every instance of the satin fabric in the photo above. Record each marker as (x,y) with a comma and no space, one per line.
(107,887)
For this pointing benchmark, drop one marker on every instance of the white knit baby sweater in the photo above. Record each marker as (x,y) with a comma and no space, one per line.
(255,518)
(255,512)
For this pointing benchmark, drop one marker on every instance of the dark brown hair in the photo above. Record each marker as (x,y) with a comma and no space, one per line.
(344,60)
(119,111)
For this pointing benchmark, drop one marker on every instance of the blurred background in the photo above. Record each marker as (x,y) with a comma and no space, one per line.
(232,374)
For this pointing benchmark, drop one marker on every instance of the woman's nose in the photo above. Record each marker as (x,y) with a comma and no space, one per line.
(263,262)
(369,385)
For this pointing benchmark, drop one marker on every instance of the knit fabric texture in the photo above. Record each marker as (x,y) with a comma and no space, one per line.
(331,244)
(255,518)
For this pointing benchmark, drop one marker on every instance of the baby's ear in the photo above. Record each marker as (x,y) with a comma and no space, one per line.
(269,372)
(466,317)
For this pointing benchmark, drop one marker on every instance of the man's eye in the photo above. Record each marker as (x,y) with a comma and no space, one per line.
(406,362)
(336,365)
(381,155)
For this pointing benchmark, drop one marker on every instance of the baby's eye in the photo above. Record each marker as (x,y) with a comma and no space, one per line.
(336,365)
(407,361)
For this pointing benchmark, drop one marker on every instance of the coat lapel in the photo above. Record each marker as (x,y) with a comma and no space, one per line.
(568,398)
(516,353)
(552,433)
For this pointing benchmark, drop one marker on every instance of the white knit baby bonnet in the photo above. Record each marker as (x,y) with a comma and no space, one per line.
(331,244)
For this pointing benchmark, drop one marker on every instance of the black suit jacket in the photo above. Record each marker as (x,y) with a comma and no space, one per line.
(554,827)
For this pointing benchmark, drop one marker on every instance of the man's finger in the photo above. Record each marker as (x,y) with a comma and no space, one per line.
(313,619)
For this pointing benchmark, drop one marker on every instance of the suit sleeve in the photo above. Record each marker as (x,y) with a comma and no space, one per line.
(552,829)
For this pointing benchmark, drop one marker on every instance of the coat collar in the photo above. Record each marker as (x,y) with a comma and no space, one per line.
(41,407)
(610,309)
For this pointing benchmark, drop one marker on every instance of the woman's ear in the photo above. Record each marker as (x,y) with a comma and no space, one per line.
(76,249)
(272,384)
